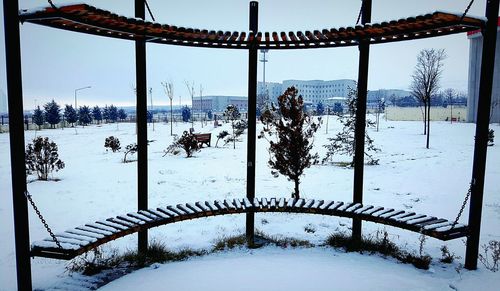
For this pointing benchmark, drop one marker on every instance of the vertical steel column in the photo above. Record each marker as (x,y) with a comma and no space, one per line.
(252,104)
(142,126)
(16,136)
(359,135)
(482,126)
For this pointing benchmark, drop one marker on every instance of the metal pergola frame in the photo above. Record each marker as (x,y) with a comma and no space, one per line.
(253,43)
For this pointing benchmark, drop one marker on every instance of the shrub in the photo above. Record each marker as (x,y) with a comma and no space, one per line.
(491,137)
(42,158)
(381,244)
(447,257)
(491,255)
(130,149)
(189,143)
(112,143)
(221,135)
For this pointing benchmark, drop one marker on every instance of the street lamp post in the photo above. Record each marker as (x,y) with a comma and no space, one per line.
(264,61)
(76,90)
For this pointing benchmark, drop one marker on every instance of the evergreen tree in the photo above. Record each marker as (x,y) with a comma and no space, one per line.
(122,115)
(84,115)
(186,114)
(97,114)
(70,115)
(52,113)
(113,113)
(338,108)
(232,113)
(41,157)
(149,116)
(320,109)
(343,143)
(290,138)
(38,117)
(105,113)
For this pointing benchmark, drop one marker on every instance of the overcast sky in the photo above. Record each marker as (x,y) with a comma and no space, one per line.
(56,62)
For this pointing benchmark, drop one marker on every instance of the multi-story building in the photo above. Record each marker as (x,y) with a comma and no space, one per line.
(219,103)
(476,47)
(313,91)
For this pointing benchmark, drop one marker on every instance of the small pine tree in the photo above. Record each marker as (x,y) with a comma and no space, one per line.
(122,115)
(70,114)
(84,115)
(320,108)
(186,114)
(97,114)
(38,117)
(52,113)
(189,143)
(290,138)
(112,143)
(338,108)
(149,116)
(41,157)
(232,113)
(105,114)
(113,113)
(343,142)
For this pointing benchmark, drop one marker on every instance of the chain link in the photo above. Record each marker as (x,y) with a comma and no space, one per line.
(466,10)
(360,12)
(463,206)
(149,10)
(40,216)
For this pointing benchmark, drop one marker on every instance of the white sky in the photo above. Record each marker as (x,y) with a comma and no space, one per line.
(56,62)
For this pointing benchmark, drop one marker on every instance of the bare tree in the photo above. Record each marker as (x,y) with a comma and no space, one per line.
(169,90)
(449,95)
(190,87)
(425,81)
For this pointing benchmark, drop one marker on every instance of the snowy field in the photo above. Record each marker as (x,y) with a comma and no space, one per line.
(95,184)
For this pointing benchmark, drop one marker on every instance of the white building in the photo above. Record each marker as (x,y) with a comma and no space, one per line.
(476,47)
(218,104)
(313,91)
(3,102)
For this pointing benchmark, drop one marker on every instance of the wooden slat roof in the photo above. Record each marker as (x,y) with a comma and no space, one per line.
(88,19)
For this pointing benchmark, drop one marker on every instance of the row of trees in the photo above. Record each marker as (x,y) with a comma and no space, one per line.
(51,114)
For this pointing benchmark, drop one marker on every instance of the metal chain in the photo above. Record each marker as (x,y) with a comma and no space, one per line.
(52,4)
(40,216)
(463,206)
(466,10)
(149,10)
(360,12)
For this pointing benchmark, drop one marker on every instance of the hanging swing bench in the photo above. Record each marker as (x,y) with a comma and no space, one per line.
(87,19)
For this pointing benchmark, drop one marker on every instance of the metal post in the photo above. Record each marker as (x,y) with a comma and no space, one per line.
(252,104)
(16,136)
(482,126)
(359,135)
(142,126)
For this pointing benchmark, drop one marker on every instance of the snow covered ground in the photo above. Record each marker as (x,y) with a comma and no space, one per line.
(95,184)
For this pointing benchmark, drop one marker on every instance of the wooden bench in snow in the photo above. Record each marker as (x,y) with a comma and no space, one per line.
(203,138)
(86,237)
